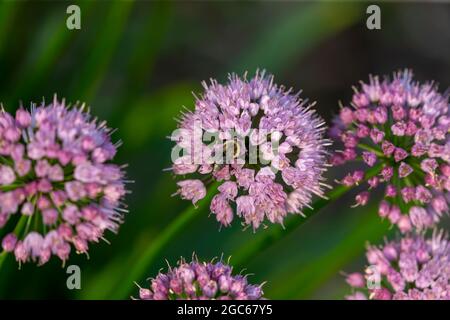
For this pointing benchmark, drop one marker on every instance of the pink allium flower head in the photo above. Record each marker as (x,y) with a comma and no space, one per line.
(404,127)
(201,281)
(412,268)
(56,171)
(260,141)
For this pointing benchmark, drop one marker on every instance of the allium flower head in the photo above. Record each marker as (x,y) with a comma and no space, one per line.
(403,126)
(414,268)
(201,281)
(262,143)
(56,173)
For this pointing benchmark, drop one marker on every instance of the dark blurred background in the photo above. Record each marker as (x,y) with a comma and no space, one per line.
(137,62)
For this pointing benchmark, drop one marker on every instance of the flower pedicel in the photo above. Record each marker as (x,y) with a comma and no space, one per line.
(413,268)
(200,281)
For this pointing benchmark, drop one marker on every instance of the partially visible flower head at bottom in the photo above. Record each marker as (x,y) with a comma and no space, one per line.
(58,185)
(414,268)
(201,281)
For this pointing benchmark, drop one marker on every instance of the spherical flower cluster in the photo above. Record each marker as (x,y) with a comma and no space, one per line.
(258,178)
(414,268)
(56,175)
(201,281)
(403,126)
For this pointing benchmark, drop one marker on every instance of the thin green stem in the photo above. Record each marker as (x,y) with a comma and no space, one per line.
(108,38)
(140,267)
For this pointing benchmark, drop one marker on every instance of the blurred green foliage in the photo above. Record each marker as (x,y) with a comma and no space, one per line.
(136,63)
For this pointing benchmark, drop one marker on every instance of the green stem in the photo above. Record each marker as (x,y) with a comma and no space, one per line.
(139,268)
(269,237)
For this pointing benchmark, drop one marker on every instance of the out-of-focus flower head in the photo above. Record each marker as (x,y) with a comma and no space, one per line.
(201,281)
(262,143)
(413,268)
(57,180)
(404,127)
